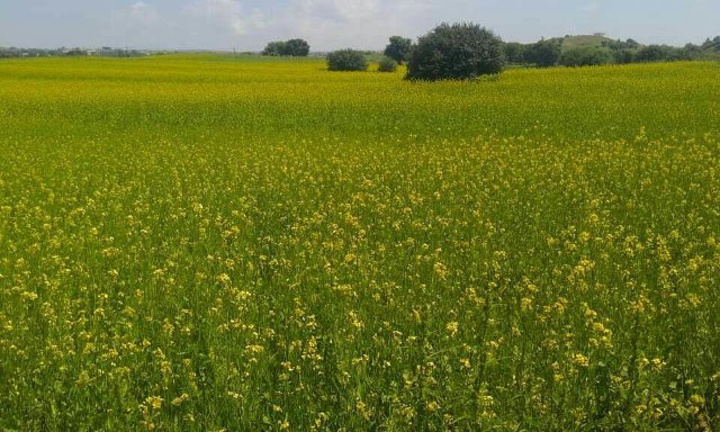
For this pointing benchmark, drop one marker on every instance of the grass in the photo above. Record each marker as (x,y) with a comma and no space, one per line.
(222,243)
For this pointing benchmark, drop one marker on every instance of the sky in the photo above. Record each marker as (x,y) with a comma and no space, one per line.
(247,25)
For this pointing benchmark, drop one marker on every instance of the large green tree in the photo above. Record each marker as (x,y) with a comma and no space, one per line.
(292,47)
(399,49)
(456,52)
(276,48)
(544,53)
(297,48)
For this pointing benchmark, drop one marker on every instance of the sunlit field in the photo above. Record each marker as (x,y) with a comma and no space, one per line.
(209,243)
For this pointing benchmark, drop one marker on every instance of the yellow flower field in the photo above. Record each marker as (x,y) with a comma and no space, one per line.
(217,243)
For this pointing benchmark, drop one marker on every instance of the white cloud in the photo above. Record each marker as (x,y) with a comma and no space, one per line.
(592,7)
(358,23)
(139,7)
(231,14)
(139,12)
(326,24)
(336,10)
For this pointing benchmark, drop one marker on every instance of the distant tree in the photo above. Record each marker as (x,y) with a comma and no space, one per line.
(624,56)
(632,43)
(586,56)
(76,52)
(277,48)
(615,45)
(347,60)
(514,52)
(544,53)
(297,48)
(457,52)
(622,52)
(712,44)
(398,49)
(292,47)
(657,53)
(691,52)
(387,65)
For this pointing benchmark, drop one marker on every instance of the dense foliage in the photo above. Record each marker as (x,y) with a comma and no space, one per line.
(552,52)
(347,60)
(544,53)
(399,49)
(228,243)
(456,52)
(514,52)
(290,48)
(387,65)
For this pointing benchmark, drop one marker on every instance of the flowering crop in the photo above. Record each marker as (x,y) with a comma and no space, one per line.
(206,243)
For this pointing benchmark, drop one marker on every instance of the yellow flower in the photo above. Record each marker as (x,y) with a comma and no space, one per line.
(452,328)
(580,360)
(155,402)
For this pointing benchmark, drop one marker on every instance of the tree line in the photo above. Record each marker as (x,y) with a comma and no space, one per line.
(456,52)
(466,51)
(15,52)
(550,52)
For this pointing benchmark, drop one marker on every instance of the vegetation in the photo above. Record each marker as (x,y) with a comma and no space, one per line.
(399,49)
(587,56)
(244,243)
(387,65)
(456,52)
(347,60)
(514,52)
(13,52)
(598,49)
(291,48)
(571,42)
(544,53)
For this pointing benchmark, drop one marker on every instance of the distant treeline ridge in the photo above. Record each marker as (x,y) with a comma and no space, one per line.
(552,52)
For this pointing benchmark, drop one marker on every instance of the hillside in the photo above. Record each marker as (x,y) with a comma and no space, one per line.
(582,41)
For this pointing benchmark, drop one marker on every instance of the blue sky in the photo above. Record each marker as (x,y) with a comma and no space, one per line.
(330,24)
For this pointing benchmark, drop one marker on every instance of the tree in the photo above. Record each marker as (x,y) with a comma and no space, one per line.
(292,47)
(457,52)
(712,44)
(632,43)
(514,52)
(657,53)
(624,56)
(297,48)
(387,65)
(277,48)
(347,60)
(586,56)
(399,49)
(76,52)
(544,53)
(691,52)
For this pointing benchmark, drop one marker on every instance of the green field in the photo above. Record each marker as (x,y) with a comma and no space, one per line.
(208,243)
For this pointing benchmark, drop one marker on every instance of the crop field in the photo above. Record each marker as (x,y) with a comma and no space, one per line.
(209,243)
